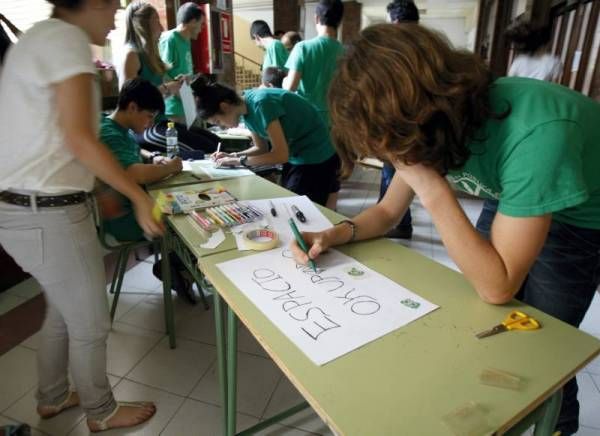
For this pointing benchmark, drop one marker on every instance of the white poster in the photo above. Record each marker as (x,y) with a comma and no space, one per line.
(189,104)
(328,313)
(206,168)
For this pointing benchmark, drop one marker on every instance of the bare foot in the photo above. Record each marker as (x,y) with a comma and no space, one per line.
(127,414)
(47,412)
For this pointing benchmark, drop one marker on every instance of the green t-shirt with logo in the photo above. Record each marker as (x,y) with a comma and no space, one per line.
(542,158)
(275,55)
(175,51)
(316,59)
(122,144)
(305,132)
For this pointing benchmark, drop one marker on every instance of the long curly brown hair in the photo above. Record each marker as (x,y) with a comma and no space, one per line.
(401,92)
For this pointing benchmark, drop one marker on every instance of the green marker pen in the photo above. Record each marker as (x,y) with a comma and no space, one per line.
(301,243)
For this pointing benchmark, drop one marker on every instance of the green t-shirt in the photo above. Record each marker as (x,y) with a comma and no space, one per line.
(120,141)
(542,158)
(175,51)
(316,59)
(275,55)
(122,144)
(306,133)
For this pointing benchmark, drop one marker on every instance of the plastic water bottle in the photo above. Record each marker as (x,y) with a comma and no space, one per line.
(172,142)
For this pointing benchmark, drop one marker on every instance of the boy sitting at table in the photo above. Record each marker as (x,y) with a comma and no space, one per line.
(139,103)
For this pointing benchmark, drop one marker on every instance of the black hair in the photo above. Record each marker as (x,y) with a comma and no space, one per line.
(278,33)
(210,95)
(330,12)
(403,11)
(274,76)
(5,43)
(527,38)
(67,4)
(188,12)
(143,93)
(293,37)
(260,28)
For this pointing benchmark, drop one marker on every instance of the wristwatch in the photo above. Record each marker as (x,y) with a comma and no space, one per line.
(243,160)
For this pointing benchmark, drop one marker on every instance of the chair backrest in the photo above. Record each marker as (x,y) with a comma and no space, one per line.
(107,240)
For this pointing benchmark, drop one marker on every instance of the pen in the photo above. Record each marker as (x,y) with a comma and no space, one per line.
(302,243)
(216,153)
(273,210)
(298,214)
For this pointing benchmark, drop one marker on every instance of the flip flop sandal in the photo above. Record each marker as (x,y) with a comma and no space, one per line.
(102,424)
(55,410)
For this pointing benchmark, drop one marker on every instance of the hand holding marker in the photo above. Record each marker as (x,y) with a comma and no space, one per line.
(301,242)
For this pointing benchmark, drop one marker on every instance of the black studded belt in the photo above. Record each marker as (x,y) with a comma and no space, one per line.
(43,201)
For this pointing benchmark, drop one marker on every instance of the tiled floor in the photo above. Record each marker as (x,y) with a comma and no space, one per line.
(183,381)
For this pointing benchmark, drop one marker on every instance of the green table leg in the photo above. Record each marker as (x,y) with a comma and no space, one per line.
(221,357)
(231,371)
(545,426)
(544,418)
(168,299)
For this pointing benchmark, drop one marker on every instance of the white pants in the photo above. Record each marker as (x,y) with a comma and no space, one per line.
(59,247)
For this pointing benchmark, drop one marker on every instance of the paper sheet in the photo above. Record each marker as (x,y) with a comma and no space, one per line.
(215,240)
(341,307)
(315,220)
(189,104)
(206,168)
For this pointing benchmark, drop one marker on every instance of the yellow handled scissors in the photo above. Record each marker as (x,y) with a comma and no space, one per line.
(516,320)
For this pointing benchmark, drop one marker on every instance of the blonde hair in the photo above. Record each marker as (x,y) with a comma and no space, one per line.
(138,34)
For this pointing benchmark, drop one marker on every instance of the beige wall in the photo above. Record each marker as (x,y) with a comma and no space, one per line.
(244,45)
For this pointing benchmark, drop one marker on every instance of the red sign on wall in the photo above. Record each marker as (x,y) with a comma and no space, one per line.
(226,33)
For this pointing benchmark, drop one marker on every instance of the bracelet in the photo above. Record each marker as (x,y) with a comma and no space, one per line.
(243,160)
(352,229)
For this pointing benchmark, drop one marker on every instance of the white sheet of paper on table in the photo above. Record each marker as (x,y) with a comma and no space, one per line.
(206,168)
(215,240)
(189,104)
(315,220)
(327,314)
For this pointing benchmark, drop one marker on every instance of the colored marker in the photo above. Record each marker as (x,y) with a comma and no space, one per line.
(196,217)
(251,215)
(204,222)
(223,215)
(298,213)
(215,217)
(273,210)
(229,215)
(256,212)
(302,243)
(239,217)
(244,214)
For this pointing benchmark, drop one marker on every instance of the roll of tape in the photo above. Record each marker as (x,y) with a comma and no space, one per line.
(261,239)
